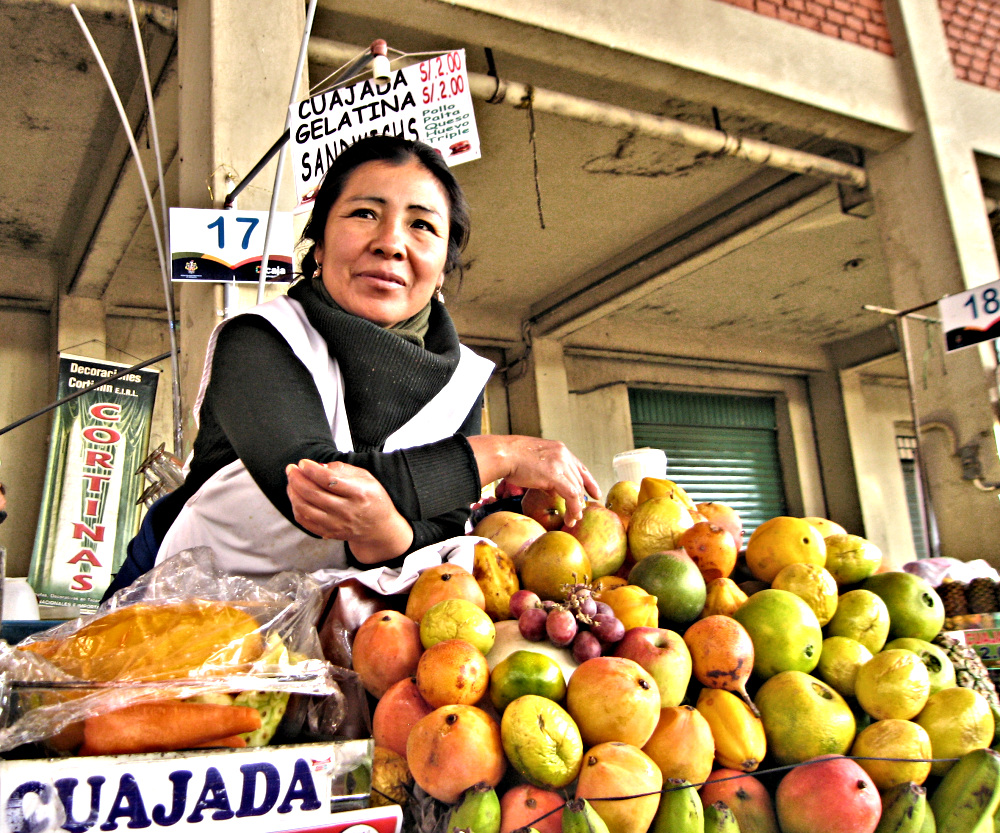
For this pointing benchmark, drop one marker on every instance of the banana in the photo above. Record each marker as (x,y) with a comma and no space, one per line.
(580,817)
(930,826)
(904,808)
(680,810)
(969,794)
(720,819)
(479,811)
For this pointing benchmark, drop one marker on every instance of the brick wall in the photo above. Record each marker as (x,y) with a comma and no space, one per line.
(855,21)
(971,26)
(973,31)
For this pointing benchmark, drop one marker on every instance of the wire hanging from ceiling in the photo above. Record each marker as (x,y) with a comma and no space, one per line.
(157,233)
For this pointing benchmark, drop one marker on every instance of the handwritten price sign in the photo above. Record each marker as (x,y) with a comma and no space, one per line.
(443,77)
(429,101)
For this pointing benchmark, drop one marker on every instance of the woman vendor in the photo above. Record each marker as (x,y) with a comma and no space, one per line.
(339,424)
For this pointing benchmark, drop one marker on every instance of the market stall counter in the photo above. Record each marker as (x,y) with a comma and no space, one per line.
(190,698)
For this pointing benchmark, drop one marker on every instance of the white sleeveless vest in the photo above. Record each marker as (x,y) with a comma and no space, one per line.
(230,513)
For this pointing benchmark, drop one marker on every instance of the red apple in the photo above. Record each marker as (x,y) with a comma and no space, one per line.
(544,506)
(664,655)
(602,535)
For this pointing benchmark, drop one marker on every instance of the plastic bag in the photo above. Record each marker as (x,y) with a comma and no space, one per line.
(185,629)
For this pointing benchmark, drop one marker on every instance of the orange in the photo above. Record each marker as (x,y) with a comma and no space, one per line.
(861,616)
(781,541)
(813,584)
(803,718)
(458,619)
(785,632)
(915,608)
(525,672)
(894,738)
(839,662)
(541,741)
(957,720)
(676,582)
(851,558)
(826,527)
(893,684)
(622,499)
(452,672)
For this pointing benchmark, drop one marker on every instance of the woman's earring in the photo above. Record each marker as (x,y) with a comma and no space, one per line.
(319,271)
(439,295)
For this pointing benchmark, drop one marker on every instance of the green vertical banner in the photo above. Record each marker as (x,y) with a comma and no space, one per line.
(90,504)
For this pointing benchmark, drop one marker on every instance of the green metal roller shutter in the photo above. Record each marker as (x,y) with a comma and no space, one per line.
(718,447)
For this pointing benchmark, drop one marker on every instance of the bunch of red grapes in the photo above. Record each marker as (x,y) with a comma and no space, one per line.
(590,626)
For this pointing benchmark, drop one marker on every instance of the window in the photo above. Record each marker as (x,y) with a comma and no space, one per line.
(907,448)
(719,447)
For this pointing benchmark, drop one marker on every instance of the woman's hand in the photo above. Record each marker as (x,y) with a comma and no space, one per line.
(347,503)
(534,463)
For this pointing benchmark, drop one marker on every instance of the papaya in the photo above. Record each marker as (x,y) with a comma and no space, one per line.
(739,733)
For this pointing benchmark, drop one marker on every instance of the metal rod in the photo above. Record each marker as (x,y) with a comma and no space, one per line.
(168,294)
(276,188)
(82,391)
(267,157)
(905,313)
(926,507)
(178,433)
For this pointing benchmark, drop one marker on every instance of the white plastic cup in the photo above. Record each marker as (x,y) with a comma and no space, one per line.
(639,463)
(19,600)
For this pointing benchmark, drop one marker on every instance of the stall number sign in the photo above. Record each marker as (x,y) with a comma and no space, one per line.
(228,246)
(429,102)
(971,317)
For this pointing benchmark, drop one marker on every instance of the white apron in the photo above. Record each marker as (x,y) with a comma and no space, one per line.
(230,513)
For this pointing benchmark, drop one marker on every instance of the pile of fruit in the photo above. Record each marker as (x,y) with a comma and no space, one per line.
(646,671)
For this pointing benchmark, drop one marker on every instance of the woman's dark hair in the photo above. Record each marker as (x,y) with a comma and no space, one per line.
(396,151)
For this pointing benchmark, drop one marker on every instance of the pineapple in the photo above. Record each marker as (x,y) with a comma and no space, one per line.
(981,595)
(953,597)
(969,670)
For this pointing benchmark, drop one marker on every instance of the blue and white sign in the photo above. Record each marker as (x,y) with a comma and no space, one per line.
(429,102)
(227,246)
(971,317)
(282,788)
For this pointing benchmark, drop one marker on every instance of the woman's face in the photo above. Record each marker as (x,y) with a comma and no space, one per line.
(386,241)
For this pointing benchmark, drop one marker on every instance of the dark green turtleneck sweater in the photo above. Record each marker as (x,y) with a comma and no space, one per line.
(262,406)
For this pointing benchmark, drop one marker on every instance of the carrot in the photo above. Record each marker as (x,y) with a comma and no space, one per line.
(231,742)
(164,725)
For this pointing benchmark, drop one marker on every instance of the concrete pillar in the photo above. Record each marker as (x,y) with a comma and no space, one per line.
(236,67)
(81,329)
(833,447)
(936,237)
